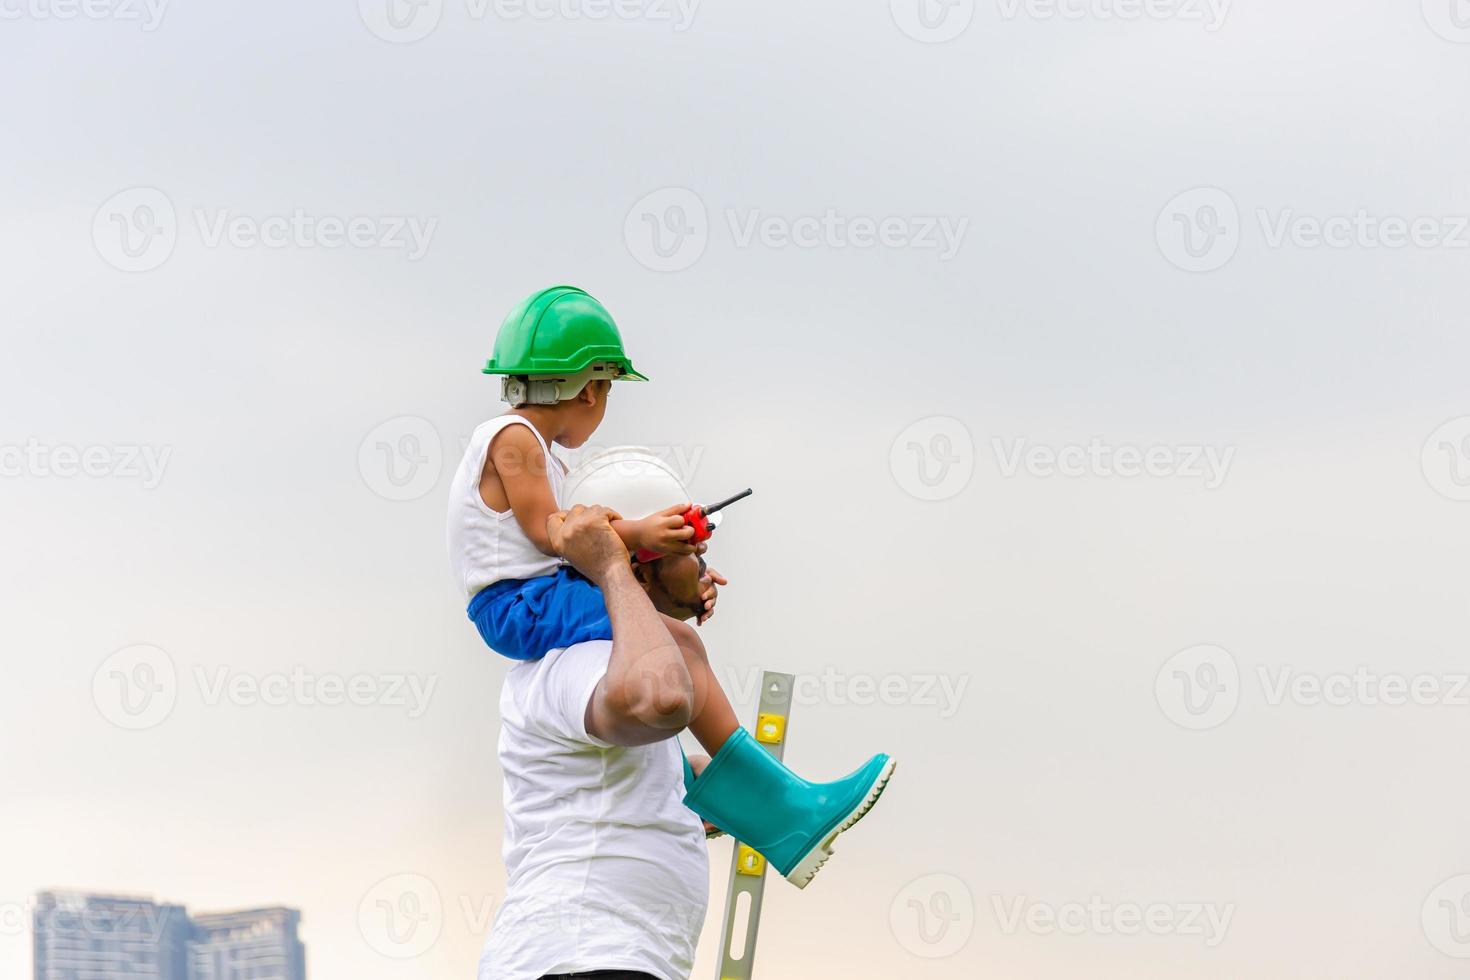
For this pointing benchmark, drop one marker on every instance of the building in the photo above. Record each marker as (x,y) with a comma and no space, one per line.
(80,936)
(108,937)
(259,944)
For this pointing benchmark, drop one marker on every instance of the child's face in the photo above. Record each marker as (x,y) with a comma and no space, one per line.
(585,414)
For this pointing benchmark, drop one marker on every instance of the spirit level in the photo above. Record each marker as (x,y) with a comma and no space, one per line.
(747,867)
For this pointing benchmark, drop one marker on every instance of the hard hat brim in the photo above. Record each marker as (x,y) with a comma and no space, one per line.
(492,368)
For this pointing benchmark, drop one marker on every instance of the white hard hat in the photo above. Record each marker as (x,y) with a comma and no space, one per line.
(631,480)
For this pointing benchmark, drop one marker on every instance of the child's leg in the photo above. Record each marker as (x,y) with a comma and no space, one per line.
(714,719)
(749,793)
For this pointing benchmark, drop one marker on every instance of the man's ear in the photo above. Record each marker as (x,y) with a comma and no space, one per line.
(588,395)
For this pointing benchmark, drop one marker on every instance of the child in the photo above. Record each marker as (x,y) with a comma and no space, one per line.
(559,352)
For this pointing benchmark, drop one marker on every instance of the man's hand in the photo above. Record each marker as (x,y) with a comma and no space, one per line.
(666,532)
(709,593)
(584,537)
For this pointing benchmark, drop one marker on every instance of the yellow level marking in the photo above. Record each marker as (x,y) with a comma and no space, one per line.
(770,729)
(750,862)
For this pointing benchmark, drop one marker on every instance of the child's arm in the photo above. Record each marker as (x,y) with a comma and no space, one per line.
(518,466)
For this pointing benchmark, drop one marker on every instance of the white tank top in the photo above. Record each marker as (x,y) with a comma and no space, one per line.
(487,546)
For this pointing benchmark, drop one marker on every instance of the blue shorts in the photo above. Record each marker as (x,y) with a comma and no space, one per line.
(524,619)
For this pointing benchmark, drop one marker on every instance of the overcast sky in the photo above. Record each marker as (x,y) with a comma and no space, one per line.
(1100,370)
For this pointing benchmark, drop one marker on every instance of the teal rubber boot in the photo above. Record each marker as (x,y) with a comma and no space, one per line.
(752,796)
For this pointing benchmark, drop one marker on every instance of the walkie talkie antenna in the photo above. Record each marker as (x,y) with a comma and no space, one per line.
(726,503)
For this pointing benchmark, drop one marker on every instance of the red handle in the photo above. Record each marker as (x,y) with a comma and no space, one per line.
(695,517)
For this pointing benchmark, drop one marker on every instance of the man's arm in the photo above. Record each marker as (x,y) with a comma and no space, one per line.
(647,694)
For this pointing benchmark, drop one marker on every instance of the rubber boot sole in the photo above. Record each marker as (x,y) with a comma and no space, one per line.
(806,869)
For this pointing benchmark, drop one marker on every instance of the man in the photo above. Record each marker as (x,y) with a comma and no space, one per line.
(605,858)
(607,870)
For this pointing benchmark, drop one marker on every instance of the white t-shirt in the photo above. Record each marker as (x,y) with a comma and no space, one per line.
(606,869)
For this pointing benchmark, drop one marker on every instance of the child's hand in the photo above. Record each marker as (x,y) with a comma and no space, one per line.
(709,592)
(666,532)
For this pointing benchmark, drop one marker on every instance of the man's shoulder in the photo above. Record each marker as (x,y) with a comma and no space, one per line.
(550,695)
(561,666)
(563,657)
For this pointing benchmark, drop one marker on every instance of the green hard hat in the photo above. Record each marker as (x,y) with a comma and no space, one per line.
(560,330)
